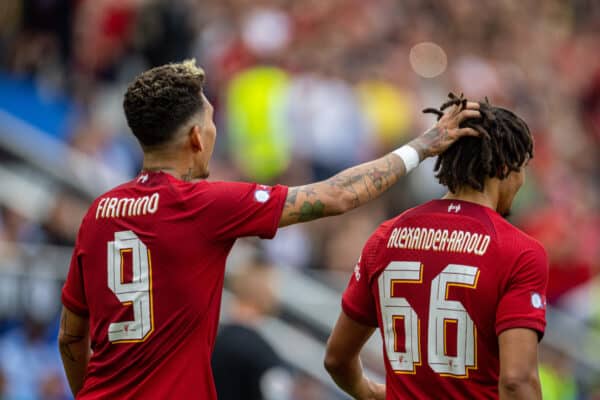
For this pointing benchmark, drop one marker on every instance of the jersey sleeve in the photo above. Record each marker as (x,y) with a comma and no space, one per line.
(358,302)
(523,303)
(246,209)
(73,293)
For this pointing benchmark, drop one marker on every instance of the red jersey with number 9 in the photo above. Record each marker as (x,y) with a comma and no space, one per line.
(442,281)
(148,269)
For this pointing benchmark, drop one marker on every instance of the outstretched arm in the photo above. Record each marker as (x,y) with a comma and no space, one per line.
(74,345)
(358,185)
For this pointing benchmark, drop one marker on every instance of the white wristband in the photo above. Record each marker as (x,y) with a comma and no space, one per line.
(409,156)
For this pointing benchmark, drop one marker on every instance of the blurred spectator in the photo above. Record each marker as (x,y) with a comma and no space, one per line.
(2,385)
(31,363)
(326,121)
(244,364)
(258,143)
(307,388)
(557,375)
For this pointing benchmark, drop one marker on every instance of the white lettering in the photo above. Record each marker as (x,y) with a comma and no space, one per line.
(420,238)
(430,238)
(114,207)
(393,237)
(436,239)
(443,240)
(110,209)
(153,203)
(100,207)
(483,246)
(475,238)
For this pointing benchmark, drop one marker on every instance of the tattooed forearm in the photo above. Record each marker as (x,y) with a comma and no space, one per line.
(67,339)
(432,142)
(74,346)
(356,186)
(66,352)
(310,211)
(345,191)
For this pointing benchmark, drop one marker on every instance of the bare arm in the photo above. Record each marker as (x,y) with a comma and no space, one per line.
(519,378)
(342,359)
(358,185)
(74,345)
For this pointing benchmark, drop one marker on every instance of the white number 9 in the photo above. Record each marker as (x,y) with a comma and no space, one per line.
(137,293)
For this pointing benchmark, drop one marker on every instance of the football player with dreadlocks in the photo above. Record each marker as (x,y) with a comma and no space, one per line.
(457,292)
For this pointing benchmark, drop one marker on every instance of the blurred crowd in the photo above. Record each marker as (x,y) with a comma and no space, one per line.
(303,89)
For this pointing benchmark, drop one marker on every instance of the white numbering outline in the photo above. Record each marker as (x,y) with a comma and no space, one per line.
(441,312)
(137,293)
(397,308)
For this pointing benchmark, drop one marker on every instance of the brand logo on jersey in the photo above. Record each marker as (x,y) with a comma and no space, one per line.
(263,194)
(143,178)
(454,207)
(537,300)
(357,271)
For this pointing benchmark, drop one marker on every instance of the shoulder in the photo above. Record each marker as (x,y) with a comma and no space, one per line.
(380,234)
(520,248)
(379,239)
(513,238)
(384,230)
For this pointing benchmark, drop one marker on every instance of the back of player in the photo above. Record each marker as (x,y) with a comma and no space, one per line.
(148,269)
(447,278)
(456,291)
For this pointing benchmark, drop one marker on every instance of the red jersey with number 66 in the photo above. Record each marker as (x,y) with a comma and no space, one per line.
(442,281)
(148,270)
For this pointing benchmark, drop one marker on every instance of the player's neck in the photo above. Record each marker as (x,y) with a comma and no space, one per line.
(487,198)
(161,162)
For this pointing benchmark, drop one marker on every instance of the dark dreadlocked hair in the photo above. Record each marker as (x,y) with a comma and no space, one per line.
(504,145)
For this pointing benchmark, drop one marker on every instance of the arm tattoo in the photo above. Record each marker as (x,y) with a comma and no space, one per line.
(345,191)
(67,340)
(306,211)
(432,142)
(310,211)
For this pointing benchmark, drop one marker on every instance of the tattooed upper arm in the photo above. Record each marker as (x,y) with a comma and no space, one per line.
(342,192)
(303,203)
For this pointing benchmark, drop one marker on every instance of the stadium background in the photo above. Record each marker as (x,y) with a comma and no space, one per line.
(301,89)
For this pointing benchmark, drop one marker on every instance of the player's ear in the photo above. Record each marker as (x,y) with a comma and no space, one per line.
(195,138)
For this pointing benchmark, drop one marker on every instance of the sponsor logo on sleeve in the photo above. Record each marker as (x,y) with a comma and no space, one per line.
(538,301)
(357,271)
(262,194)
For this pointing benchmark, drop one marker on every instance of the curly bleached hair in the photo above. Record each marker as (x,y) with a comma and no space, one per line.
(505,145)
(161,99)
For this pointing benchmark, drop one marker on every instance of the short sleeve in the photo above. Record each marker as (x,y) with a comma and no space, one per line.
(358,302)
(523,303)
(73,293)
(246,209)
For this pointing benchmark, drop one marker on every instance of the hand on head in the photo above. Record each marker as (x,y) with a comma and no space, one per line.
(448,128)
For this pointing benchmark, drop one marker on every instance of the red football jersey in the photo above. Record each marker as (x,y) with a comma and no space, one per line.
(442,281)
(148,269)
